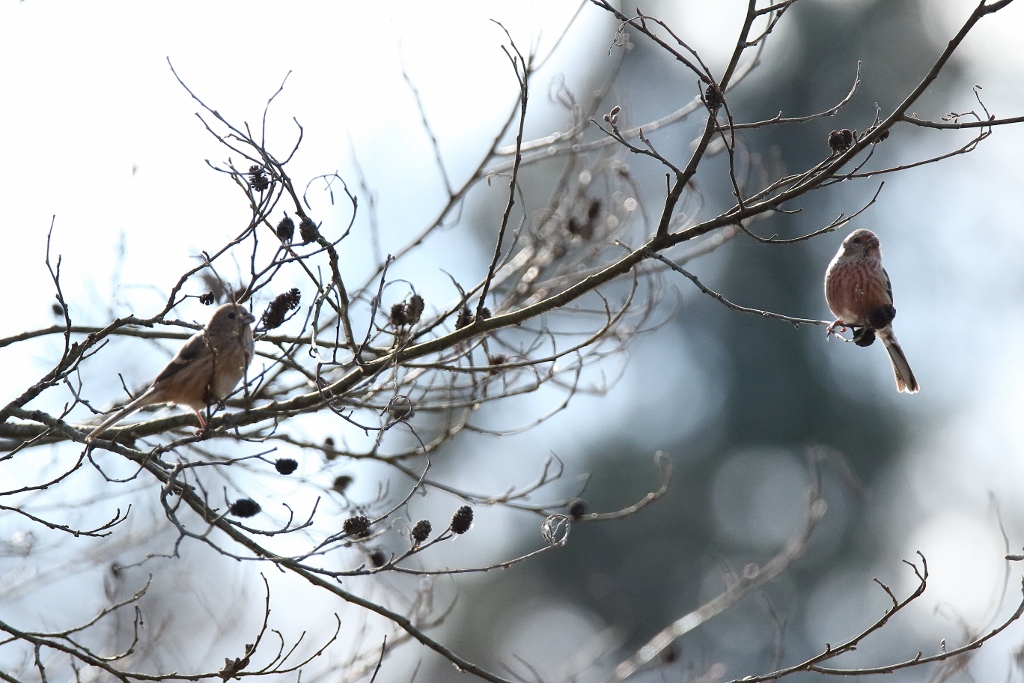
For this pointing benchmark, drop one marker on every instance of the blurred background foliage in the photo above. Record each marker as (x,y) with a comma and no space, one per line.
(757,417)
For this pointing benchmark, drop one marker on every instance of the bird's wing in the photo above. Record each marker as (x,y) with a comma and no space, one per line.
(888,286)
(188,353)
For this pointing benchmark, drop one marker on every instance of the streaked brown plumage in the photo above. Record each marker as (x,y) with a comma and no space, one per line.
(204,371)
(859,293)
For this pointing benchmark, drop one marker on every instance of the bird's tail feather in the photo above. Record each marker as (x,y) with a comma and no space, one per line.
(118,416)
(905,380)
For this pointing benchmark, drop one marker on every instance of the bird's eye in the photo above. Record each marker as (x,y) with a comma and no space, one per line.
(231,315)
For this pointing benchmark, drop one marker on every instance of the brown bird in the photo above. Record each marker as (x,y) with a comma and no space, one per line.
(204,371)
(859,293)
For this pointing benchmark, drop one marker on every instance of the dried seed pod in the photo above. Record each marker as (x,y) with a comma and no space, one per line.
(398,317)
(840,140)
(714,98)
(244,507)
(421,531)
(275,314)
(285,229)
(258,179)
(357,527)
(577,508)
(462,520)
(285,465)
(414,309)
(308,230)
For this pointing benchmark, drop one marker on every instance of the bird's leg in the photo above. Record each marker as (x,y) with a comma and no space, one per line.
(831,329)
(202,422)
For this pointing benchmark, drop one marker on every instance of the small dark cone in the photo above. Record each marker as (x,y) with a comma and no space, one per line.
(244,507)
(840,140)
(258,179)
(713,97)
(462,520)
(285,465)
(282,304)
(398,317)
(357,527)
(308,230)
(285,230)
(421,531)
(414,309)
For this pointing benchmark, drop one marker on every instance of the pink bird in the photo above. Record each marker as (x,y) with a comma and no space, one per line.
(859,293)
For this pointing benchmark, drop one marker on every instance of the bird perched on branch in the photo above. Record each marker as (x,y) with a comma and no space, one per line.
(204,371)
(859,293)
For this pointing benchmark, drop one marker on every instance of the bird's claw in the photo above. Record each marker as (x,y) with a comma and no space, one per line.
(831,329)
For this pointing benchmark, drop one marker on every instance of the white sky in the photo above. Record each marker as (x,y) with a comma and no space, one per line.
(97,131)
